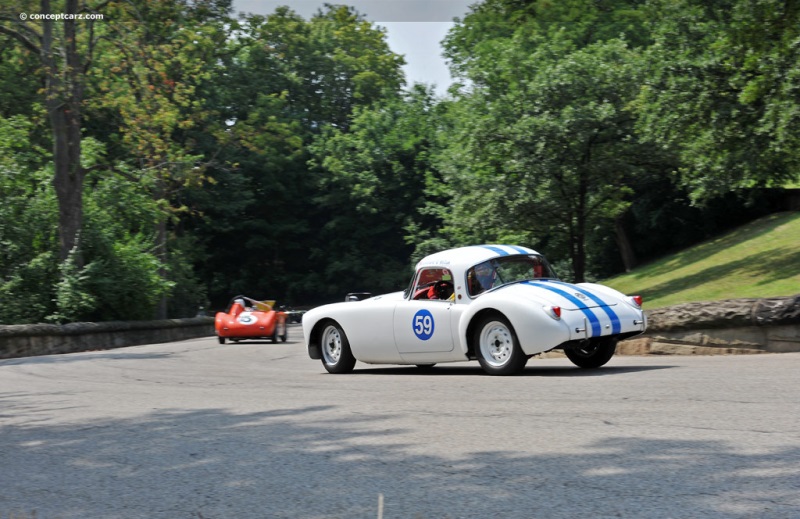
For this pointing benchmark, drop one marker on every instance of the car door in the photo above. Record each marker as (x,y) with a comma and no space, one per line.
(422,322)
(423,326)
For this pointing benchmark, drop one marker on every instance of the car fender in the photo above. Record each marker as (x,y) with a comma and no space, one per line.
(267,321)
(367,324)
(536,331)
(220,322)
(309,323)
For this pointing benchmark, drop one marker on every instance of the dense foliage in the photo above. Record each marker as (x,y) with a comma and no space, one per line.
(172,155)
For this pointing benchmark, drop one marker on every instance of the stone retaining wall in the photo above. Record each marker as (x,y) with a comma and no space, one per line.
(26,340)
(732,326)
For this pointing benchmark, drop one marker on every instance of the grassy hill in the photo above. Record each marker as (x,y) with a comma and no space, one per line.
(760,259)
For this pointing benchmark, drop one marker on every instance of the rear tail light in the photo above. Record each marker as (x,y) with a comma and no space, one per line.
(636,301)
(553,311)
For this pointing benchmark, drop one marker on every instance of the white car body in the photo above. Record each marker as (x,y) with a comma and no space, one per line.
(398,329)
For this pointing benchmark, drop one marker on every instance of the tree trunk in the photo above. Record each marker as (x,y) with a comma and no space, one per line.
(68,181)
(162,255)
(579,256)
(629,260)
(161,247)
(579,234)
(64,91)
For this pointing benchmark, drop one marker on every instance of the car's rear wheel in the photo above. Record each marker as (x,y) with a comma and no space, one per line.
(336,354)
(282,334)
(497,347)
(592,354)
(221,340)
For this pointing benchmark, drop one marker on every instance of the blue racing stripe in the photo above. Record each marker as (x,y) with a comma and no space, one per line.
(496,250)
(615,325)
(593,320)
(518,249)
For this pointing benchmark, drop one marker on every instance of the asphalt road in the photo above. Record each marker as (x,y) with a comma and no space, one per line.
(198,430)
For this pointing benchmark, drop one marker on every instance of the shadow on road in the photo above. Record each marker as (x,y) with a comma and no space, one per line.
(301,462)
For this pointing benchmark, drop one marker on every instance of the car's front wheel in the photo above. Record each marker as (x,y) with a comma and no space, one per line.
(336,354)
(497,347)
(221,340)
(592,354)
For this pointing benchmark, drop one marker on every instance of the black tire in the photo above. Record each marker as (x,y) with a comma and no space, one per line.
(594,354)
(282,332)
(425,367)
(274,337)
(221,340)
(497,347)
(335,349)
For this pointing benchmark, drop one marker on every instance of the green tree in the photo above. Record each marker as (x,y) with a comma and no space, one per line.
(373,188)
(117,276)
(132,79)
(722,89)
(287,80)
(547,150)
(28,216)
(148,77)
(19,81)
(65,52)
(475,46)
(123,275)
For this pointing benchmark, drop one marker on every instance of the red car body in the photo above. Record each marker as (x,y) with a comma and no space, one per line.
(248,318)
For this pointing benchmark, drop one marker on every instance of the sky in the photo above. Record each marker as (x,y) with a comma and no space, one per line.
(414,28)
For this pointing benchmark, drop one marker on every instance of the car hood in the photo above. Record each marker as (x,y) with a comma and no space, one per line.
(566,295)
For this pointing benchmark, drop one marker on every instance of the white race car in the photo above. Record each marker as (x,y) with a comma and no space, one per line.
(499,304)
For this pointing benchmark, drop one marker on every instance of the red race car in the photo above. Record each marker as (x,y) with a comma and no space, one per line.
(247,318)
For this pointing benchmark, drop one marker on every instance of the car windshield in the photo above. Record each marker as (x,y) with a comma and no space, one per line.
(507,269)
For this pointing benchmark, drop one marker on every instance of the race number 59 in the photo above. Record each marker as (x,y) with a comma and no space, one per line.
(423,325)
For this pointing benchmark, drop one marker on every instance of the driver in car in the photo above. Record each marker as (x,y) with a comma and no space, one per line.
(482,278)
(442,289)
